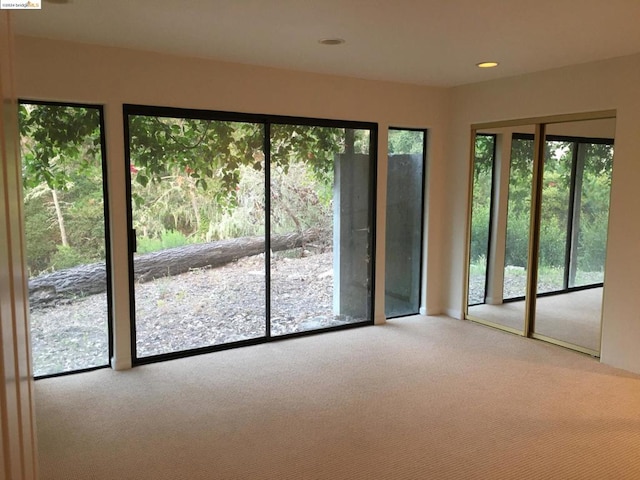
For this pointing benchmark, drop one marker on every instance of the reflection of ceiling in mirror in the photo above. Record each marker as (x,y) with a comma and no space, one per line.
(530,129)
(602,128)
(605,128)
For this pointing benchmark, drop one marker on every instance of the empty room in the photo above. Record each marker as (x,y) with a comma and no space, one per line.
(286,240)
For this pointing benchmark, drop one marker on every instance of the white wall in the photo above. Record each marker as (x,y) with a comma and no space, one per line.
(612,84)
(64,71)
(17,428)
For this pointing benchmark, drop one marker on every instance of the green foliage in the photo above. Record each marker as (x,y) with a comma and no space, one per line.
(192,180)
(553,237)
(57,139)
(61,159)
(41,237)
(479,232)
(406,141)
(211,153)
(222,196)
(481,212)
(517,244)
(593,244)
(168,239)
(593,214)
(67,257)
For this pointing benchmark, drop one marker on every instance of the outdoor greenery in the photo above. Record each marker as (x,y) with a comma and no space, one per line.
(406,141)
(192,181)
(590,221)
(200,180)
(62,178)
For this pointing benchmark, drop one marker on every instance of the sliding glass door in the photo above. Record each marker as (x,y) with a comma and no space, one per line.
(197,214)
(245,228)
(320,182)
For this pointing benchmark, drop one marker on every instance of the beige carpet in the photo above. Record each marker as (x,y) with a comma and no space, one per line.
(572,317)
(418,398)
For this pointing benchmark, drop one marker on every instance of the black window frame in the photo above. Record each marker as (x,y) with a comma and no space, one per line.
(107,228)
(576,141)
(423,196)
(267,120)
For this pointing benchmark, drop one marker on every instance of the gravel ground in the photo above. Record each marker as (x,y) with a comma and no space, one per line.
(196,309)
(515,284)
(204,307)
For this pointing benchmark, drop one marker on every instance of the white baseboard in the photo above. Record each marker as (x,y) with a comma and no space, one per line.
(423,311)
(379,320)
(494,301)
(122,364)
(454,313)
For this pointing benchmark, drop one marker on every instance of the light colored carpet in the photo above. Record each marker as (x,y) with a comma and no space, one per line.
(418,398)
(572,317)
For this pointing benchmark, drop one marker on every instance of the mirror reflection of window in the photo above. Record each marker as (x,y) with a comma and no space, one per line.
(575,211)
(575,187)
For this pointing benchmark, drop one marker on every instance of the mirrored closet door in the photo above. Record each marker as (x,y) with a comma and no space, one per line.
(539,206)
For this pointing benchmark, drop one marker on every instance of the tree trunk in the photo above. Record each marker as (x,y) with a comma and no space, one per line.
(194,206)
(63,230)
(90,279)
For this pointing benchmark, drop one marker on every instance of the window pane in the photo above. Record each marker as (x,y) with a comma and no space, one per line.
(198,210)
(320,227)
(405,181)
(65,237)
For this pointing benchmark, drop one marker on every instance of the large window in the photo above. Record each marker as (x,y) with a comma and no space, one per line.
(246,227)
(405,199)
(66,248)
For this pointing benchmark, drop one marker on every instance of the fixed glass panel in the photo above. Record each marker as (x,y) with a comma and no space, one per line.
(198,212)
(64,209)
(320,223)
(483,166)
(405,184)
(555,213)
(573,315)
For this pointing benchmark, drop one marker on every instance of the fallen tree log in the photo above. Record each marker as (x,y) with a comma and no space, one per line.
(91,279)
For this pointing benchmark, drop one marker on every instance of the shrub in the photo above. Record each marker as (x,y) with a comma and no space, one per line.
(168,239)
(67,257)
(40,237)
(593,244)
(479,232)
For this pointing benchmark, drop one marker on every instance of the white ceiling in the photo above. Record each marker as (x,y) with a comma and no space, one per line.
(427,42)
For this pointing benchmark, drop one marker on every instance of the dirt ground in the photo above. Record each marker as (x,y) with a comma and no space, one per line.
(196,309)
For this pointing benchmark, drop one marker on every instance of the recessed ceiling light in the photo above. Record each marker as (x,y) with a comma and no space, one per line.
(331,41)
(487,64)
